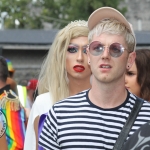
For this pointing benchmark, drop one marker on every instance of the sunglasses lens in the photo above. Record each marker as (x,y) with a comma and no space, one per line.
(116,50)
(95,48)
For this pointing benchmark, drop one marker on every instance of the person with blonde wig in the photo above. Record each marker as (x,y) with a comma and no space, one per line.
(65,72)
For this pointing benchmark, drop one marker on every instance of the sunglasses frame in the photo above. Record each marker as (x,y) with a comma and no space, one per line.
(108,47)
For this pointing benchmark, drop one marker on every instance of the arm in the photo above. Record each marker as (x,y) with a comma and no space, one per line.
(36,122)
(3,143)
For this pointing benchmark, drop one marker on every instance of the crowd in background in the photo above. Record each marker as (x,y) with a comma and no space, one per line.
(28,97)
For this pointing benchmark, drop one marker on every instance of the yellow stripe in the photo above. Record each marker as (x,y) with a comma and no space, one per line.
(8,114)
(25,94)
(22,93)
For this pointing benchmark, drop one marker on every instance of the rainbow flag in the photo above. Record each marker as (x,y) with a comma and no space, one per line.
(15,132)
(10,66)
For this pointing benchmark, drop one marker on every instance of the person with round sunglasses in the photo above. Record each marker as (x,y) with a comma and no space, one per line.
(94,118)
(65,72)
(137,78)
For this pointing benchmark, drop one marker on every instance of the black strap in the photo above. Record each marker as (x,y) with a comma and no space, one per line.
(127,127)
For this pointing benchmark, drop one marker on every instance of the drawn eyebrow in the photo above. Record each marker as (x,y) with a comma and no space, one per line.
(77,45)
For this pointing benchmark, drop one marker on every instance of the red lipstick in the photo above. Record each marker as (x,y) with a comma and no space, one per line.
(78,68)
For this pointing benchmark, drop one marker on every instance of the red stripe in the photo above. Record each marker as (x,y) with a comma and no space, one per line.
(17,126)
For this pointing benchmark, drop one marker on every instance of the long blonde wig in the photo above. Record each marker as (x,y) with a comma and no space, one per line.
(52,77)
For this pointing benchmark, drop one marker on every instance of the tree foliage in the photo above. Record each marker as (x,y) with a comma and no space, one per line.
(19,14)
(29,14)
(60,12)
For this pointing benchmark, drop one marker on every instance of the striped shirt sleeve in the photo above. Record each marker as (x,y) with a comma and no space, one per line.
(48,136)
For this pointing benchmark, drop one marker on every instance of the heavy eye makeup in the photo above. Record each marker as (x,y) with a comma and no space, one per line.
(73,48)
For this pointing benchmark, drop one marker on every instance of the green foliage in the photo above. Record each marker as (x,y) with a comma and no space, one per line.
(22,11)
(60,12)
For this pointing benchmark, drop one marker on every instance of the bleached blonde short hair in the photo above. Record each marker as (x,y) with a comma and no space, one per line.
(112,26)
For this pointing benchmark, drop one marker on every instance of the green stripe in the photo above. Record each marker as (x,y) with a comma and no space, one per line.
(9,140)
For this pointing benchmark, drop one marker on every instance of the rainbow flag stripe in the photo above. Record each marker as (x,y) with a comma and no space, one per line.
(15,132)
(9,64)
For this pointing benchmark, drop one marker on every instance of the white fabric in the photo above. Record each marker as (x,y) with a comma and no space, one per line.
(42,105)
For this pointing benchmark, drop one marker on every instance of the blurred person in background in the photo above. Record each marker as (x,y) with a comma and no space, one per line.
(3,86)
(27,93)
(11,108)
(137,78)
(64,72)
(3,75)
(31,91)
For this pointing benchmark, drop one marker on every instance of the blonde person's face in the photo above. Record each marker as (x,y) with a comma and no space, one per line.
(106,68)
(131,80)
(76,59)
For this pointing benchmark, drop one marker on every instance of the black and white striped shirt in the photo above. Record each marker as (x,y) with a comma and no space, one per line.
(77,124)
